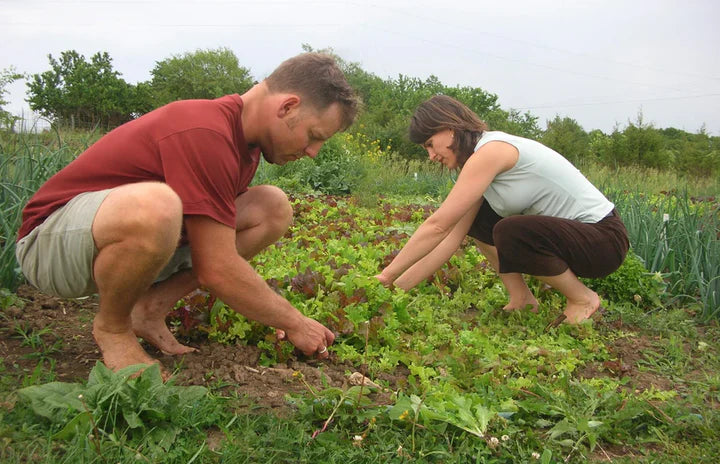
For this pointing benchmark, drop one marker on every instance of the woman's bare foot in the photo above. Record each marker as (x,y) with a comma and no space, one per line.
(578,311)
(150,325)
(515,304)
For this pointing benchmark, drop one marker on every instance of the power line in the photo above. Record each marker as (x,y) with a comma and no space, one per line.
(385,7)
(516,60)
(455,26)
(615,102)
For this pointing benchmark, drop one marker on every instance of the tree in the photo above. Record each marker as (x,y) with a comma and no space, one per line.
(695,154)
(390,103)
(645,144)
(514,122)
(481,102)
(199,74)
(81,93)
(7,76)
(566,137)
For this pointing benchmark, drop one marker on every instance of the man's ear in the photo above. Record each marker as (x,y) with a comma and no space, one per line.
(288,105)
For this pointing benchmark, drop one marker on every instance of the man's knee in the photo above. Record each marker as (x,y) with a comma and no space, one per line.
(160,205)
(280,205)
(275,206)
(150,211)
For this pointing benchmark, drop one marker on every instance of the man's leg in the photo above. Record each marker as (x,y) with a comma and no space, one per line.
(136,230)
(518,291)
(149,313)
(263,216)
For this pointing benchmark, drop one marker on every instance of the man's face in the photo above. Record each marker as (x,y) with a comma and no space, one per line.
(301,131)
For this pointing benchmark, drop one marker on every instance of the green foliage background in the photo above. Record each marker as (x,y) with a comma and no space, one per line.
(199,74)
(78,92)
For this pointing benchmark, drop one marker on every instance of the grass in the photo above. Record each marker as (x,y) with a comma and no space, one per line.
(685,248)
(350,163)
(568,418)
(647,180)
(483,386)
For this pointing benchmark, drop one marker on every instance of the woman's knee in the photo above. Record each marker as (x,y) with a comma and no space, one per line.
(507,231)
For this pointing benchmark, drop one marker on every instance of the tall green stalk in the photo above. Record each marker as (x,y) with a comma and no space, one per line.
(24,166)
(679,238)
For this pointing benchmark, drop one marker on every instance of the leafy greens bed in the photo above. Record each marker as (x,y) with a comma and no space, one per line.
(471,381)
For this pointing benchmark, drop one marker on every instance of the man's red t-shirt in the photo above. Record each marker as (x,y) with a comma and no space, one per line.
(197,147)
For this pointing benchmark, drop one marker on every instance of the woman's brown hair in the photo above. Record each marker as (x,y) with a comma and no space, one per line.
(442,112)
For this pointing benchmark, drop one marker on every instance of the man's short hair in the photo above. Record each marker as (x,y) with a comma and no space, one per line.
(318,80)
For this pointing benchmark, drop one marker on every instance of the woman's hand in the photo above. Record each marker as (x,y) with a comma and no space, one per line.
(384,280)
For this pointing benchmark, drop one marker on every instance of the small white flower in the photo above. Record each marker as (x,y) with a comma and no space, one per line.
(505,438)
(357,438)
(535,455)
(494,441)
(80,397)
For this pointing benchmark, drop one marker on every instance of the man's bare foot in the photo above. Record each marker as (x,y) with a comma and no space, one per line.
(578,311)
(151,327)
(522,303)
(120,349)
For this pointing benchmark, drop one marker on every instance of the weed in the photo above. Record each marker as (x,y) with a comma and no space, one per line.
(8,298)
(671,358)
(34,339)
(126,413)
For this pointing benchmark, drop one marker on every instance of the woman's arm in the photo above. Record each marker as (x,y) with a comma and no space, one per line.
(479,171)
(440,255)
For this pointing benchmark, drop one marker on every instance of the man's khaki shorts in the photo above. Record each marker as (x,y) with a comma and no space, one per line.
(57,256)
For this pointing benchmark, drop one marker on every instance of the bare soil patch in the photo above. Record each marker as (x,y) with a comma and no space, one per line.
(65,328)
(627,353)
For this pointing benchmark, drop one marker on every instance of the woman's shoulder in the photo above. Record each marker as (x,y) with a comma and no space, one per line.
(493,135)
(497,136)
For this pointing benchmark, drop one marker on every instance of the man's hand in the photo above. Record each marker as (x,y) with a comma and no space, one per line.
(311,338)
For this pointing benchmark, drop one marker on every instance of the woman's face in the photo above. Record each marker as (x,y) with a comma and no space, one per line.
(438,148)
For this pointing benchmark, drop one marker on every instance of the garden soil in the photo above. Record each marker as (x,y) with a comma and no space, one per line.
(65,327)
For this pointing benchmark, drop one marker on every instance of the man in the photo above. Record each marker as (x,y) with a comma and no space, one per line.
(161,205)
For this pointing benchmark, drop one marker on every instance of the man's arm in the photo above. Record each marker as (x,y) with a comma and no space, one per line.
(230,277)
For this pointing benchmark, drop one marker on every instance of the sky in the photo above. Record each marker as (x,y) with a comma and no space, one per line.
(601,63)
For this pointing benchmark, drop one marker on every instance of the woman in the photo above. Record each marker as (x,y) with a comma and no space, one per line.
(531,211)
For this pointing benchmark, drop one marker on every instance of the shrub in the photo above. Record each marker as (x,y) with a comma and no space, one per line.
(632,283)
